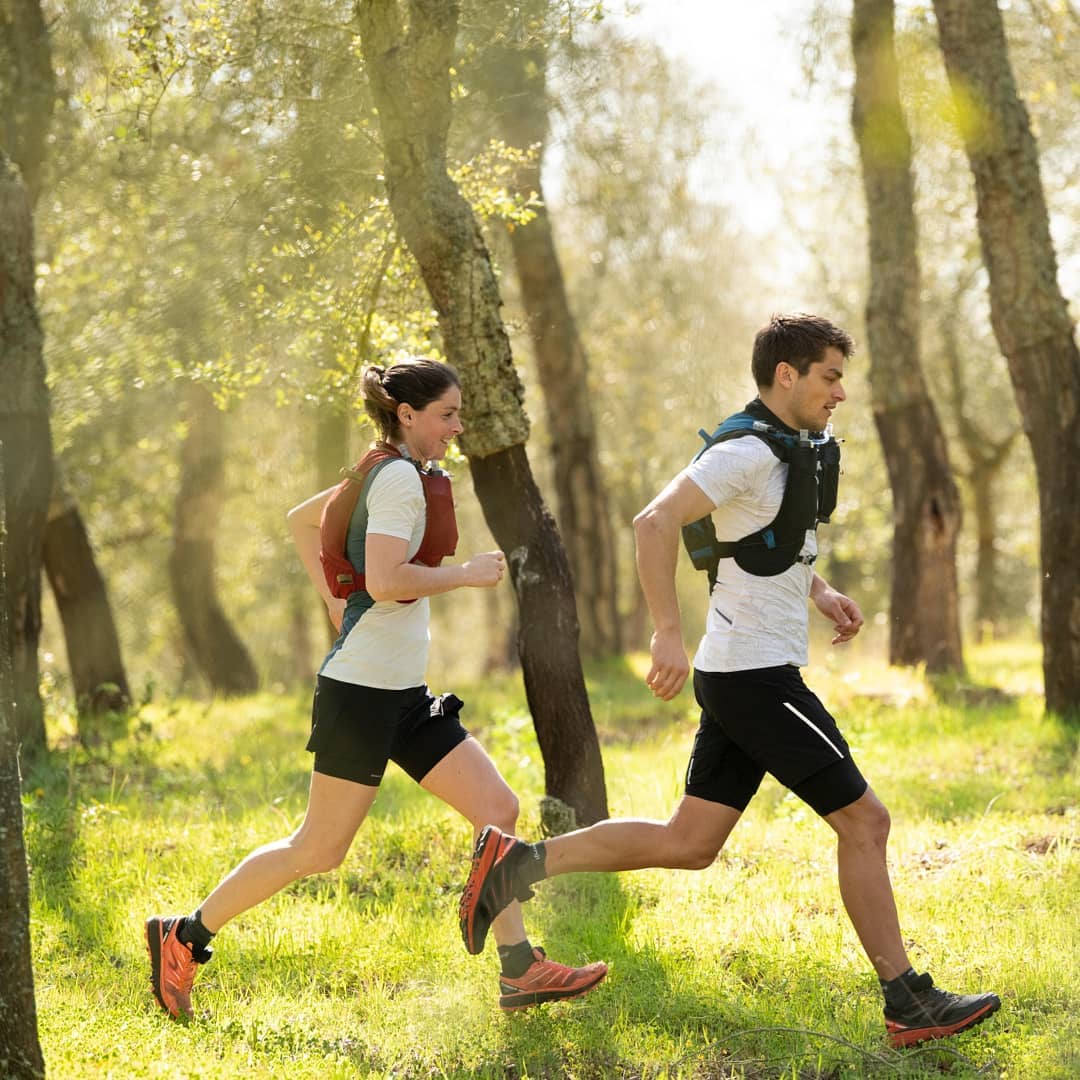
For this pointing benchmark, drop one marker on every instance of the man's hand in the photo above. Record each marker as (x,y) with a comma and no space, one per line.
(670,666)
(844,612)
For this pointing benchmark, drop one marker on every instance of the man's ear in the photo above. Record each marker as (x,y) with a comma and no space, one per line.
(785,374)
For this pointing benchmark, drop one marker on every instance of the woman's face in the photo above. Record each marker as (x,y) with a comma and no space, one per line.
(429,431)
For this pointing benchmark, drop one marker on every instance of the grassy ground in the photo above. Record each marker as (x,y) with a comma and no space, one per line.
(747,969)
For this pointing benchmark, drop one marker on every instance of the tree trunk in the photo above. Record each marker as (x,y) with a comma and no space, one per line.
(93,648)
(1028,311)
(924,603)
(20,1050)
(409,80)
(212,643)
(554,687)
(27,89)
(24,432)
(27,97)
(515,80)
(987,455)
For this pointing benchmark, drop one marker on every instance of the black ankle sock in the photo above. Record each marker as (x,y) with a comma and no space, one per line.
(192,932)
(515,960)
(895,990)
(531,863)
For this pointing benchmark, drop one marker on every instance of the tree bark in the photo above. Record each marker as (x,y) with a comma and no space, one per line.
(24,445)
(514,78)
(27,98)
(1028,311)
(93,647)
(409,79)
(24,432)
(924,603)
(214,646)
(27,88)
(986,454)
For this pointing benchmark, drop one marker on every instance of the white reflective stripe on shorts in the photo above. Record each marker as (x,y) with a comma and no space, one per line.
(810,724)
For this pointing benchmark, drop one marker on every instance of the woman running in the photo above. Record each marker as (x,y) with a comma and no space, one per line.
(372,704)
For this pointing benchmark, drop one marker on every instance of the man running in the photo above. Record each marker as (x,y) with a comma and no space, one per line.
(757,714)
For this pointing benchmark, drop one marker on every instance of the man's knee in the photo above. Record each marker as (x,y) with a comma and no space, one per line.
(865,821)
(692,852)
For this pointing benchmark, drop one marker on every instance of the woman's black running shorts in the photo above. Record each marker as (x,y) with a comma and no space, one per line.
(768,721)
(356,730)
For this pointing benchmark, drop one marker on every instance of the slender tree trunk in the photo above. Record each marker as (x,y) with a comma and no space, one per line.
(25,452)
(93,647)
(924,604)
(987,455)
(515,80)
(24,432)
(409,81)
(1028,311)
(27,97)
(212,643)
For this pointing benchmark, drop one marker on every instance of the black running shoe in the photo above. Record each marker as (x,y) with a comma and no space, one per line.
(490,885)
(930,1013)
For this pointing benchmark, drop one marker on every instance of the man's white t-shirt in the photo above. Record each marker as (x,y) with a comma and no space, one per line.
(753,622)
(388,646)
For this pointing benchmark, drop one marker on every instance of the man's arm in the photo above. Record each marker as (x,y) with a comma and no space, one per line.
(656,532)
(844,612)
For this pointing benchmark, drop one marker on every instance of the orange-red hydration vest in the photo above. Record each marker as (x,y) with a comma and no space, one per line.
(440,530)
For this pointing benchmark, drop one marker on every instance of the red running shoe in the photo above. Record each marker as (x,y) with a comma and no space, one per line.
(490,885)
(547,981)
(172,965)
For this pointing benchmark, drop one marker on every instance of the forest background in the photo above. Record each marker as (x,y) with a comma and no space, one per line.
(217,252)
(202,236)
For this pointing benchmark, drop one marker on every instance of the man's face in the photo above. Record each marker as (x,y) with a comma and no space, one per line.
(814,395)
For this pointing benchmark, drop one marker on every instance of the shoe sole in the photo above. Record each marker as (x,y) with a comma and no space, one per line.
(914,1036)
(482,861)
(154,938)
(529,999)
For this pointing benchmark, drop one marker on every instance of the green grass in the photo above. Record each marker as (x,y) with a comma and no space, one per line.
(747,969)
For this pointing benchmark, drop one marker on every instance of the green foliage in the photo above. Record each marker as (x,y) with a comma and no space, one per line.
(747,969)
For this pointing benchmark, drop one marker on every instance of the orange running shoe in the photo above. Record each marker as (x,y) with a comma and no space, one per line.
(547,981)
(172,965)
(490,885)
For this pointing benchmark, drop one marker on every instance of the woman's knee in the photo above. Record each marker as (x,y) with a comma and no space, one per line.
(317,855)
(501,808)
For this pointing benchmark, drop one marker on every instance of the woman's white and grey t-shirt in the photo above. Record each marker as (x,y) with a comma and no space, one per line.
(388,647)
(753,622)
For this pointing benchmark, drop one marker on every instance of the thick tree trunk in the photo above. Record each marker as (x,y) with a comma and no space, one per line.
(24,451)
(93,647)
(1028,311)
(212,643)
(515,81)
(555,689)
(27,88)
(24,432)
(924,604)
(410,84)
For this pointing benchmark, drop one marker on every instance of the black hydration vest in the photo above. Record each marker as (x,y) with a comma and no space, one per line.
(813,460)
